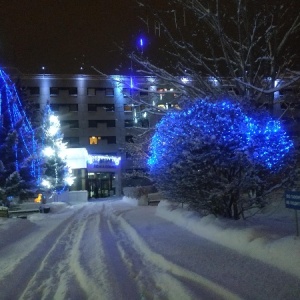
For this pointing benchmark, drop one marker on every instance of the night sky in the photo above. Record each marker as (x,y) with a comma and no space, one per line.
(64,35)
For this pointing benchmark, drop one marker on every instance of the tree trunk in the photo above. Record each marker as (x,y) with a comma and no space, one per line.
(232,210)
(235,210)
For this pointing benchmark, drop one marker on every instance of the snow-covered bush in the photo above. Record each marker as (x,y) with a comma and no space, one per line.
(213,155)
(15,185)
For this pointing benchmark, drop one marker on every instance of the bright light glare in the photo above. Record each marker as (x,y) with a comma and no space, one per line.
(48,152)
(185,80)
(54,125)
(46,183)
(69,180)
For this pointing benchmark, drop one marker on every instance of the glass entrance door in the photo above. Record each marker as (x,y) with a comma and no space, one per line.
(101,185)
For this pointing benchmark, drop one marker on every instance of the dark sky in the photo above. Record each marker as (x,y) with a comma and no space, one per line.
(64,35)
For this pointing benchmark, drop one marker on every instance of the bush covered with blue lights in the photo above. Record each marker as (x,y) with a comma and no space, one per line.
(211,155)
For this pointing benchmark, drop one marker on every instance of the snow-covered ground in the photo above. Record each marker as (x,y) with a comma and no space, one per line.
(269,236)
(118,250)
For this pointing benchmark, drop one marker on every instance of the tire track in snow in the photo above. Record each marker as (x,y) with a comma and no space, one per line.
(120,282)
(25,258)
(87,259)
(138,271)
(52,276)
(16,250)
(152,282)
(77,259)
(168,267)
(92,254)
(132,278)
(149,278)
(83,271)
(102,274)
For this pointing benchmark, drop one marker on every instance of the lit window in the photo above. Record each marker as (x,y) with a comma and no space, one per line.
(127,107)
(94,140)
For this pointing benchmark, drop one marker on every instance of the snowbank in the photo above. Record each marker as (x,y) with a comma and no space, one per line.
(131,201)
(247,238)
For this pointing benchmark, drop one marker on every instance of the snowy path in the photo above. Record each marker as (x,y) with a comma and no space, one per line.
(202,267)
(112,250)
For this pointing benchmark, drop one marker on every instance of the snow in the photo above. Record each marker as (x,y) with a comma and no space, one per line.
(264,237)
(163,279)
(269,236)
(99,248)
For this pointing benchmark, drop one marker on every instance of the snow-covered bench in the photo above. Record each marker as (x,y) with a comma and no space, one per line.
(154,198)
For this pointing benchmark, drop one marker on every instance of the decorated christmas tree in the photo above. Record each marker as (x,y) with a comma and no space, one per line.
(56,175)
(19,162)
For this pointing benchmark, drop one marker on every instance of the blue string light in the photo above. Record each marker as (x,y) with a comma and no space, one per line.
(18,121)
(221,125)
(57,174)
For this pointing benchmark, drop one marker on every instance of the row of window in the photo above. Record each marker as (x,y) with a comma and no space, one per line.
(61,107)
(164,93)
(98,123)
(95,140)
(99,106)
(73,91)
(129,92)
(130,108)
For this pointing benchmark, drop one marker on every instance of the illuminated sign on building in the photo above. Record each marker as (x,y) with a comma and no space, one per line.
(103,161)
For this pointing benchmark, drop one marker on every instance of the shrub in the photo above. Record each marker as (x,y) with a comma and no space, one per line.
(210,155)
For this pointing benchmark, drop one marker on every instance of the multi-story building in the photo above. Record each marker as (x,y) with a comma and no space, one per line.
(97,114)
(101,113)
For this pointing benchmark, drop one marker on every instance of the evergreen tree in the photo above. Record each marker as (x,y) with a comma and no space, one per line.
(11,180)
(56,174)
(18,148)
(213,155)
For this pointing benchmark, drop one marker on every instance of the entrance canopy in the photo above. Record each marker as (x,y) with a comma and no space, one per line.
(77,158)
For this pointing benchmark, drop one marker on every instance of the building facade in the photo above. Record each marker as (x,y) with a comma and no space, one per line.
(98,114)
(102,113)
